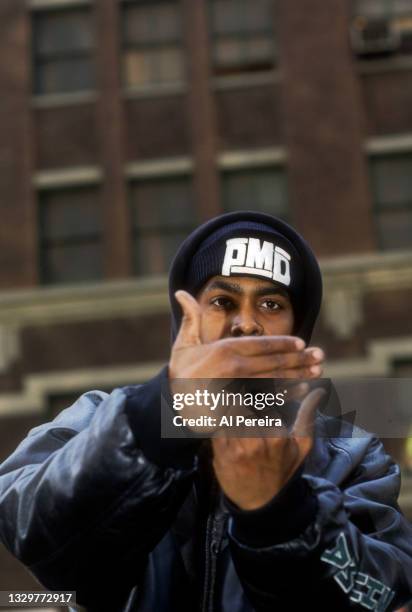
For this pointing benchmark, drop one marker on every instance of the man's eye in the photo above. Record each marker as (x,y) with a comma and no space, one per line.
(271,305)
(222,302)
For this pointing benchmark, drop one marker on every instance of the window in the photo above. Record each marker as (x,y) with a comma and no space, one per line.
(392,188)
(261,189)
(56,402)
(242,35)
(70,229)
(63,43)
(163,215)
(381,27)
(151,35)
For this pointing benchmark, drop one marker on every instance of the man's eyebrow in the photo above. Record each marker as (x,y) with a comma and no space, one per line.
(220,284)
(236,288)
(268,290)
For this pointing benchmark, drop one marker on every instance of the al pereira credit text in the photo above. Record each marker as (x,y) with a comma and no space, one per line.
(226,421)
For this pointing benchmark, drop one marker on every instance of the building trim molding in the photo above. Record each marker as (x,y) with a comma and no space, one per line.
(76,98)
(37,387)
(41,5)
(241,81)
(84,302)
(156,90)
(348,279)
(392,64)
(378,361)
(233,160)
(368,264)
(159,168)
(68,177)
(143,295)
(396,143)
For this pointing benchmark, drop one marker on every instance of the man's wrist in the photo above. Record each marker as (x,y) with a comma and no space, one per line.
(282,519)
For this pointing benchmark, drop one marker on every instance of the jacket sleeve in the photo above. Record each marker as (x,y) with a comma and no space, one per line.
(328,547)
(81,505)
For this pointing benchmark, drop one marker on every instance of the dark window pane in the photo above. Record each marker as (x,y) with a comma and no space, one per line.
(243,35)
(72,263)
(264,190)
(64,75)
(70,229)
(62,32)
(392,180)
(395,229)
(237,16)
(163,214)
(239,52)
(63,42)
(151,34)
(381,8)
(162,204)
(371,8)
(70,214)
(154,253)
(155,66)
(157,22)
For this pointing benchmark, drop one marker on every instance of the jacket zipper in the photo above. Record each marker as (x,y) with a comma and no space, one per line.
(207,582)
(214,534)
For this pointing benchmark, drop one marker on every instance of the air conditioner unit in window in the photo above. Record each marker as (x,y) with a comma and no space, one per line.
(374,36)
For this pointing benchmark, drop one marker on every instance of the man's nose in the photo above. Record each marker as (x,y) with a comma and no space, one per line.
(244,323)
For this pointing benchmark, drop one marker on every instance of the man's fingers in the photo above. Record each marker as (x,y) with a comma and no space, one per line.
(305,419)
(308,373)
(250,346)
(189,332)
(261,364)
(297,390)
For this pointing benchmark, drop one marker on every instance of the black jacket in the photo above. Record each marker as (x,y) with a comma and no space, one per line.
(84,509)
(97,502)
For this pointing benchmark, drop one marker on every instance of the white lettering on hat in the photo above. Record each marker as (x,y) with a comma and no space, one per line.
(247,256)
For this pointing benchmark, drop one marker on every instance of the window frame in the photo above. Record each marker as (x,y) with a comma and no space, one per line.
(46,243)
(242,36)
(379,207)
(165,230)
(39,60)
(396,41)
(250,161)
(177,43)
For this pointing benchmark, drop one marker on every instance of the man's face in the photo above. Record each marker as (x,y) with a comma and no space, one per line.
(243,306)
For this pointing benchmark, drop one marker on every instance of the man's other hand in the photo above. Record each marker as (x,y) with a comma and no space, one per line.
(251,471)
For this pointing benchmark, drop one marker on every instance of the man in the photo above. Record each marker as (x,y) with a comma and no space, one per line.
(97,502)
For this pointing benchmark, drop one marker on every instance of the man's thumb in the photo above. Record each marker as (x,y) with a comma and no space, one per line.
(189,332)
(305,420)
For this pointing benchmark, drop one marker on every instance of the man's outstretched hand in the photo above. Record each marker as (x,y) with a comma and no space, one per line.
(251,471)
(243,357)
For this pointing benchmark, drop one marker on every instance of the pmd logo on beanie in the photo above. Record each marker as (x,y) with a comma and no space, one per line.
(248,256)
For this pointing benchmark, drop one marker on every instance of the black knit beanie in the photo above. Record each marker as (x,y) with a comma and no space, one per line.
(247,248)
(253,244)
